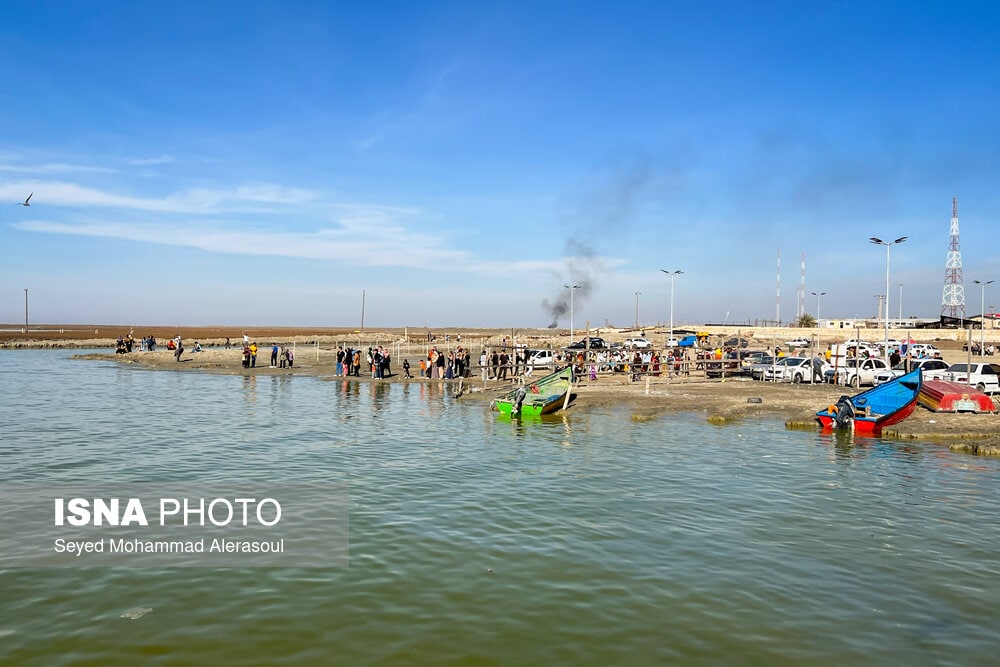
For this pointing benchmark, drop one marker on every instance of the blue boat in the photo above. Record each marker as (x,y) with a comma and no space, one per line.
(870,411)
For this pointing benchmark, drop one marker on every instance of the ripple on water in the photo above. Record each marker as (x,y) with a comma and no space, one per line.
(585,539)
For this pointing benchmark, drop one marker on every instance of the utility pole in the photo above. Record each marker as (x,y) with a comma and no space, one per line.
(25,310)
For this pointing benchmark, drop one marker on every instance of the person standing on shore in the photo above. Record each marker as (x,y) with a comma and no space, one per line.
(274,355)
(406,369)
(253,354)
(180,348)
(386,360)
(439,365)
(291,357)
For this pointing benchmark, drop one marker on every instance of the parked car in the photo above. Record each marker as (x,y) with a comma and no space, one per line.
(984,377)
(758,367)
(595,344)
(688,341)
(542,359)
(736,342)
(638,343)
(733,363)
(923,350)
(796,369)
(798,342)
(856,371)
(748,358)
(926,365)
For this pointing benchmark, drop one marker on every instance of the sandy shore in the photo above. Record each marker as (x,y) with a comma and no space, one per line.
(720,402)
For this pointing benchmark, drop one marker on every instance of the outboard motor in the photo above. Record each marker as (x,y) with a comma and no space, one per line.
(518,400)
(845,413)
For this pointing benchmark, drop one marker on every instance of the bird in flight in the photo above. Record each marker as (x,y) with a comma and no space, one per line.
(25,202)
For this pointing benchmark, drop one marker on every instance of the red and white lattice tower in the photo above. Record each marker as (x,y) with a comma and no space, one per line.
(953,299)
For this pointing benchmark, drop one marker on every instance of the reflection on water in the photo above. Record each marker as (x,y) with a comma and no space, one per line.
(576,538)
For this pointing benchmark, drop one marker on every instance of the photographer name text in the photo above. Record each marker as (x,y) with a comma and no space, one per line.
(140,546)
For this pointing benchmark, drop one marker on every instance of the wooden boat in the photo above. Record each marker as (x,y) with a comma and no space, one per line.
(540,397)
(944,396)
(870,411)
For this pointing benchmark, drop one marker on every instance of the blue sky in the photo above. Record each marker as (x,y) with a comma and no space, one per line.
(264,163)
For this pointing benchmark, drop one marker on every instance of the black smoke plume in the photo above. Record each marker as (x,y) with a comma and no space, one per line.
(595,215)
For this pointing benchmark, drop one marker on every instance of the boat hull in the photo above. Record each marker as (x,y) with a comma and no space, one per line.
(544,396)
(944,396)
(871,411)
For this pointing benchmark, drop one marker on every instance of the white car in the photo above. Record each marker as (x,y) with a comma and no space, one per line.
(984,377)
(923,350)
(856,371)
(796,369)
(926,365)
(798,342)
(542,359)
(638,343)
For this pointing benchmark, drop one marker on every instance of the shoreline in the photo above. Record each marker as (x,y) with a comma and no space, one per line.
(719,401)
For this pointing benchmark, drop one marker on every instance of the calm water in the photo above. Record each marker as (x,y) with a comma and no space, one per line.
(610,541)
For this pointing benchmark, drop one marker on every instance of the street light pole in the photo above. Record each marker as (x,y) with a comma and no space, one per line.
(982,315)
(817,295)
(672,274)
(887,244)
(25,310)
(571,288)
(637,309)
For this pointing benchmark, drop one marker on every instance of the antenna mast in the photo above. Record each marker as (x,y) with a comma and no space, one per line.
(953,299)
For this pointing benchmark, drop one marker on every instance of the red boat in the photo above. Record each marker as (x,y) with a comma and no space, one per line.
(944,396)
(870,411)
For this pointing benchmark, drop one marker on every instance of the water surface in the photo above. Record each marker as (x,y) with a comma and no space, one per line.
(588,539)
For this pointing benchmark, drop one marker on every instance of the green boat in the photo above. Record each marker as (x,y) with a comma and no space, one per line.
(541,397)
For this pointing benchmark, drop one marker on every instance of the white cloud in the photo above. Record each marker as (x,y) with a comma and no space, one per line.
(253,198)
(150,161)
(353,244)
(56,168)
